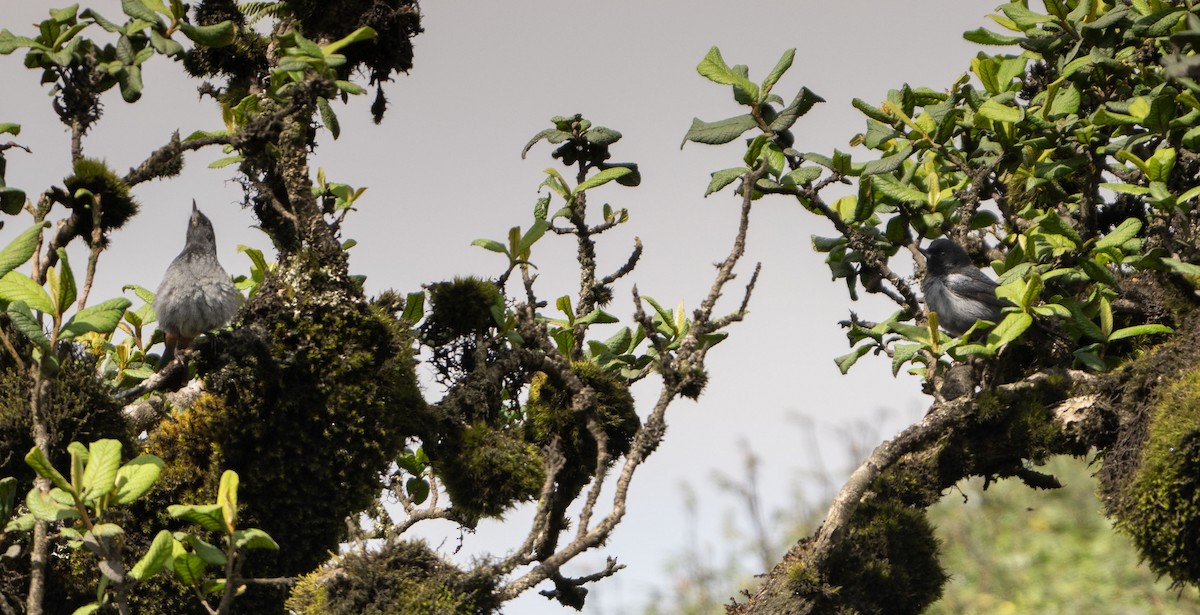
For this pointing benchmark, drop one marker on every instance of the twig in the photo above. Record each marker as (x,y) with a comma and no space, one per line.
(97,246)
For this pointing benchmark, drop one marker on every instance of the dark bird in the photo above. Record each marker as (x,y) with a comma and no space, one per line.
(196,295)
(956,289)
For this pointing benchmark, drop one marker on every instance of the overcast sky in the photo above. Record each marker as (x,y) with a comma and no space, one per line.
(444,169)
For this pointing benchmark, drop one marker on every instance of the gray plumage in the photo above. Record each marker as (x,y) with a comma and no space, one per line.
(956,289)
(196,295)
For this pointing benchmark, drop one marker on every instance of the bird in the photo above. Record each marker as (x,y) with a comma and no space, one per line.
(957,290)
(196,295)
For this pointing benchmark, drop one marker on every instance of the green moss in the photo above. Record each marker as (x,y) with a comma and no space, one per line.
(117,204)
(395,22)
(1162,504)
(80,408)
(313,396)
(404,578)
(887,564)
(491,471)
(549,415)
(242,62)
(462,307)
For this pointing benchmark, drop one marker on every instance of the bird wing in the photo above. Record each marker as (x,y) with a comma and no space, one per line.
(971,283)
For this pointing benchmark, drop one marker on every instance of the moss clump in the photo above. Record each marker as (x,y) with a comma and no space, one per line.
(313,396)
(395,23)
(117,204)
(490,471)
(242,62)
(888,563)
(403,578)
(549,415)
(80,408)
(1161,508)
(459,308)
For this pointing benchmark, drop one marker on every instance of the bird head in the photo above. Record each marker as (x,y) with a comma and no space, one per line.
(943,255)
(200,229)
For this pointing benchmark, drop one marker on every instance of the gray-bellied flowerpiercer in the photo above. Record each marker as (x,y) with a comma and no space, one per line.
(956,289)
(196,295)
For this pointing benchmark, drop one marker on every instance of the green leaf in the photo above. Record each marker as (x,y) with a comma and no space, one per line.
(138,10)
(1053,224)
(490,245)
(1137,330)
(418,489)
(846,361)
(714,68)
(228,499)
(887,164)
(601,178)
(553,135)
(47,507)
(136,477)
(804,100)
(215,35)
(11,199)
(207,516)
(10,42)
(99,477)
(364,33)
(1179,266)
(8,496)
(22,318)
(781,67)
(254,538)
(998,112)
(983,36)
(141,292)
(1126,188)
(15,286)
(207,552)
(37,460)
(716,133)
(189,568)
(599,135)
(535,232)
(723,178)
(224,162)
(597,316)
(901,354)
(67,291)
(164,45)
(414,307)
(100,318)
(87,609)
(328,117)
(155,558)
(1010,328)
(891,187)
(1118,236)
(17,252)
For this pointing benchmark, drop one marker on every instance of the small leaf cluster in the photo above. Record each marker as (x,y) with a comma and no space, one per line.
(581,143)
(768,113)
(59,50)
(98,483)
(12,199)
(1073,157)
(189,557)
(25,301)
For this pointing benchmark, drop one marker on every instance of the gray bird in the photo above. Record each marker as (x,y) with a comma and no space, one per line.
(196,295)
(956,289)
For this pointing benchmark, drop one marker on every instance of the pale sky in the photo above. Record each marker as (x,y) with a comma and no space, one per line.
(444,169)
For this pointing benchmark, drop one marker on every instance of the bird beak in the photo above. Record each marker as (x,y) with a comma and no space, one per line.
(194,208)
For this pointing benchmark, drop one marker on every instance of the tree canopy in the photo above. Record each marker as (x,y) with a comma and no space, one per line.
(1065,162)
